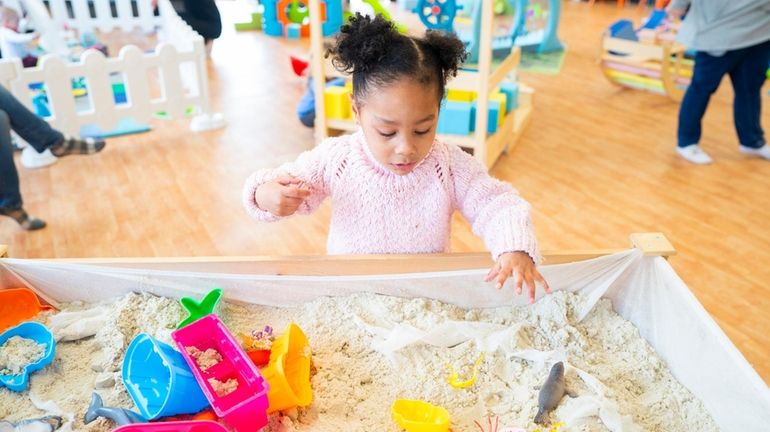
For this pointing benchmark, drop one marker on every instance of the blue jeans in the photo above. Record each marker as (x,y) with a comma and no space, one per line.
(15,116)
(746,67)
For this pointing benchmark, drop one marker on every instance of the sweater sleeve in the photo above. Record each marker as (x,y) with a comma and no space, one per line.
(494,208)
(310,167)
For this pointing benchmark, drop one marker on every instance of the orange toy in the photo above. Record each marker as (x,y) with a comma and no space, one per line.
(205,415)
(283,17)
(288,372)
(17,305)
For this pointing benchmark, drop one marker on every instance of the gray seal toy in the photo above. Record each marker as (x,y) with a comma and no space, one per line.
(551,393)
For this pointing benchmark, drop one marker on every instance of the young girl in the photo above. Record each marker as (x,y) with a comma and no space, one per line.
(393,186)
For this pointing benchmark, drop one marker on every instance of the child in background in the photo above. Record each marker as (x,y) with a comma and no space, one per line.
(12,43)
(394,187)
(306,106)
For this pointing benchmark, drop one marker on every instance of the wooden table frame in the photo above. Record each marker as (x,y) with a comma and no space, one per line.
(652,244)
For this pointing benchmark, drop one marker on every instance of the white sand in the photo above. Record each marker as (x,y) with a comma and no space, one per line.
(354,386)
(18,352)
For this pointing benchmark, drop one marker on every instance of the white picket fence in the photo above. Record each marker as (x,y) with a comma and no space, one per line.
(103,19)
(179,62)
(81,17)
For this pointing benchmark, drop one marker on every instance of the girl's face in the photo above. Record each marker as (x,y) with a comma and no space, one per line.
(399,122)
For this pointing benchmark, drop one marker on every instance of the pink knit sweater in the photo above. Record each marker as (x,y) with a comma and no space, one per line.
(376,211)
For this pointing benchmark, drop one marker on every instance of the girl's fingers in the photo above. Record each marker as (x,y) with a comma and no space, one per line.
(531,286)
(504,274)
(543,282)
(519,280)
(492,273)
(292,202)
(295,192)
(286,180)
(501,278)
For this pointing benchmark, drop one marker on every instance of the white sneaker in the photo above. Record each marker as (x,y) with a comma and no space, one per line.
(694,154)
(30,158)
(763,152)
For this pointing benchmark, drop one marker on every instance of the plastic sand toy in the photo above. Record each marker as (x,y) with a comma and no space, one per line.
(289,371)
(241,401)
(17,305)
(258,345)
(419,416)
(176,426)
(159,380)
(198,309)
(454,379)
(496,427)
(38,333)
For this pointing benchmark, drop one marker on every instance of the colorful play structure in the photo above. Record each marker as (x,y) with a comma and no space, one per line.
(534,24)
(647,58)
(291,18)
(486,108)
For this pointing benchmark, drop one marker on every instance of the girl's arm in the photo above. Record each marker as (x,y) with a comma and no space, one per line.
(309,171)
(494,208)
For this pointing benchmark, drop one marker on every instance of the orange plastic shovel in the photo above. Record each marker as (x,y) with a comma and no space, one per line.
(17,305)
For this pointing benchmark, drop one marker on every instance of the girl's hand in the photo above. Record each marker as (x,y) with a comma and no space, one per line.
(282,196)
(522,268)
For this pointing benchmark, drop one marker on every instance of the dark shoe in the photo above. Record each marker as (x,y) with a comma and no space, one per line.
(69,146)
(23,218)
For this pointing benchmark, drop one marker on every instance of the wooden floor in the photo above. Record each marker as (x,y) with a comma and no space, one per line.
(597,162)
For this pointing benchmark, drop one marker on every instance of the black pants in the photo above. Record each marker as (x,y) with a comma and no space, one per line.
(746,68)
(15,116)
(202,15)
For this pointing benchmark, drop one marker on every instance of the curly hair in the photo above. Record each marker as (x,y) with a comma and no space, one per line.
(376,54)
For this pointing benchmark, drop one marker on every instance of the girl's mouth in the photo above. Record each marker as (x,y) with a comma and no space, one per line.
(403,167)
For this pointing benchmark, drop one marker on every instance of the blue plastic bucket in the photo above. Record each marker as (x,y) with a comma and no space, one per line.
(159,380)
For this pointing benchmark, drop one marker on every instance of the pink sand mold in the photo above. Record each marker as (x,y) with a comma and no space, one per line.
(177,426)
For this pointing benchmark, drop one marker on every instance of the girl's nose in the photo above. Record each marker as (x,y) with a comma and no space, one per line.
(405,147)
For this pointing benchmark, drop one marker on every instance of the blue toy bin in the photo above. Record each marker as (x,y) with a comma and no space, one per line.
(40,334)
(159,380)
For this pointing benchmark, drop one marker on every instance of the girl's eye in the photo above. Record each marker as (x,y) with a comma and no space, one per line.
(423,132)
(387,135)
